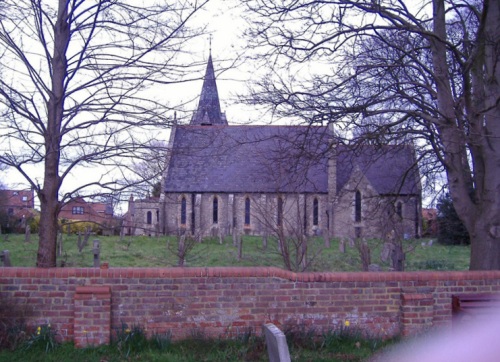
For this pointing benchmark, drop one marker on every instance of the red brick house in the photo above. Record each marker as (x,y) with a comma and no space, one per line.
(16,207)
(18,203)
(81,210)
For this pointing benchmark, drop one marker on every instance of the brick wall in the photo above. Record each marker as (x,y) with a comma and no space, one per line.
(227,301)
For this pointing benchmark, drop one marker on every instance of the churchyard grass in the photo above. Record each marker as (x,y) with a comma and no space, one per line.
(143,251)
(343,344)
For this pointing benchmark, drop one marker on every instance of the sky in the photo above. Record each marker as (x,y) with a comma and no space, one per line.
(224,29)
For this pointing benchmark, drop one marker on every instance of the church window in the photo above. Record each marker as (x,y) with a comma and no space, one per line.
(357,207)
(149,217)
(216,210)
(280,211)
(157,215)
(399,209)
(247,211)
(183,211)
(315,212)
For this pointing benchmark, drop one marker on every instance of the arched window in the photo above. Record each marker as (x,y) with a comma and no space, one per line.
(280,211)
(315,212)
(247,211)
(399,209)
(357,207)
(216,210)
(157,215)
(149,217)
(183,211)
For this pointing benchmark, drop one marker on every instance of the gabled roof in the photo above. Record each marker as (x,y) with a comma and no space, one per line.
(247,159)
(258,159)
(390,169)
(208,111)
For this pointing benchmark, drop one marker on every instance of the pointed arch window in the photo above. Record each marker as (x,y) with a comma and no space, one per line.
(149,217)
(399,209)
(183,211)
(216,210)
(357,207)
(247,211)
(280,211)
(315,212)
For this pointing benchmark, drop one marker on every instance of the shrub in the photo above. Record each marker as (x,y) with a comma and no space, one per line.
(44,337)
(451,230)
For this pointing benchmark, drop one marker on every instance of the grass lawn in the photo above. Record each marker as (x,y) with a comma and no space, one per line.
(142,251)
(330,346)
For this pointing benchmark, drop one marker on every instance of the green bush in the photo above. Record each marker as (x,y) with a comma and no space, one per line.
(451,230)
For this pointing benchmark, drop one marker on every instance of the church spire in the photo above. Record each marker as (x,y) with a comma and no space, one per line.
(208,112)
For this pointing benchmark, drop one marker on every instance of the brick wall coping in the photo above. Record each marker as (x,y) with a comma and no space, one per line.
(256,272)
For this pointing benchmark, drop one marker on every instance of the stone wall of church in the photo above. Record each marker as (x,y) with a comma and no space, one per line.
(249,214)
(144,218)
(378,215)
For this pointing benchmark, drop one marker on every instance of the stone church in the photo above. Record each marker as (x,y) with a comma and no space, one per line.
(224,179)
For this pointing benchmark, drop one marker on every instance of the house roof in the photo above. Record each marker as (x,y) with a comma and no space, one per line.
(256,159)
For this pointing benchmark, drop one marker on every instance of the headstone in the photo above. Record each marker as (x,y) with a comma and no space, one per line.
(264,241)
(221,238)
(386,252)
(59,244)
(352,244)
(5,258)
(181,251)
(235,238)
(326,239)
(277,349)
(240,247)
(398,258)
(27,234)
(97,252)
(430,242)
(342,246)
(374,268)
(364,251)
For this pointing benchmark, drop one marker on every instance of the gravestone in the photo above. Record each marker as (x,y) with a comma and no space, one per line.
(5,258)
(342,246)
(97,252)
(277,349)
(27,234)
(326,239)
(386,252)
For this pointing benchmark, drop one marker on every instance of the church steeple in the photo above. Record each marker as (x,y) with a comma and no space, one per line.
(208,112)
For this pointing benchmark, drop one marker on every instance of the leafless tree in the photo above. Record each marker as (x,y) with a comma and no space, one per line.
(403,71)
(74,77)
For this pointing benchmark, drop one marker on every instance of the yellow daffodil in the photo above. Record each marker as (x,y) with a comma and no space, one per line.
(127,330)
(347,323)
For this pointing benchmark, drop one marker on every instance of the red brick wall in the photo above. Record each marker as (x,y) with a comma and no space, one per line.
(226,301)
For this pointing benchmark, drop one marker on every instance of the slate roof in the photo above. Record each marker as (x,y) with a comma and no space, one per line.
(390,169)
(260,159)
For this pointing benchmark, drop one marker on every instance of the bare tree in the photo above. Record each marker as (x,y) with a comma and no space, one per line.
(73,82)
(425,72)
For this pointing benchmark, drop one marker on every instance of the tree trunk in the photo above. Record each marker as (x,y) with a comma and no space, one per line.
(49,209)
(49,194)
(485,243)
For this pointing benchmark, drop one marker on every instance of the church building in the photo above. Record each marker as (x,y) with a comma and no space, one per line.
(223,179)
